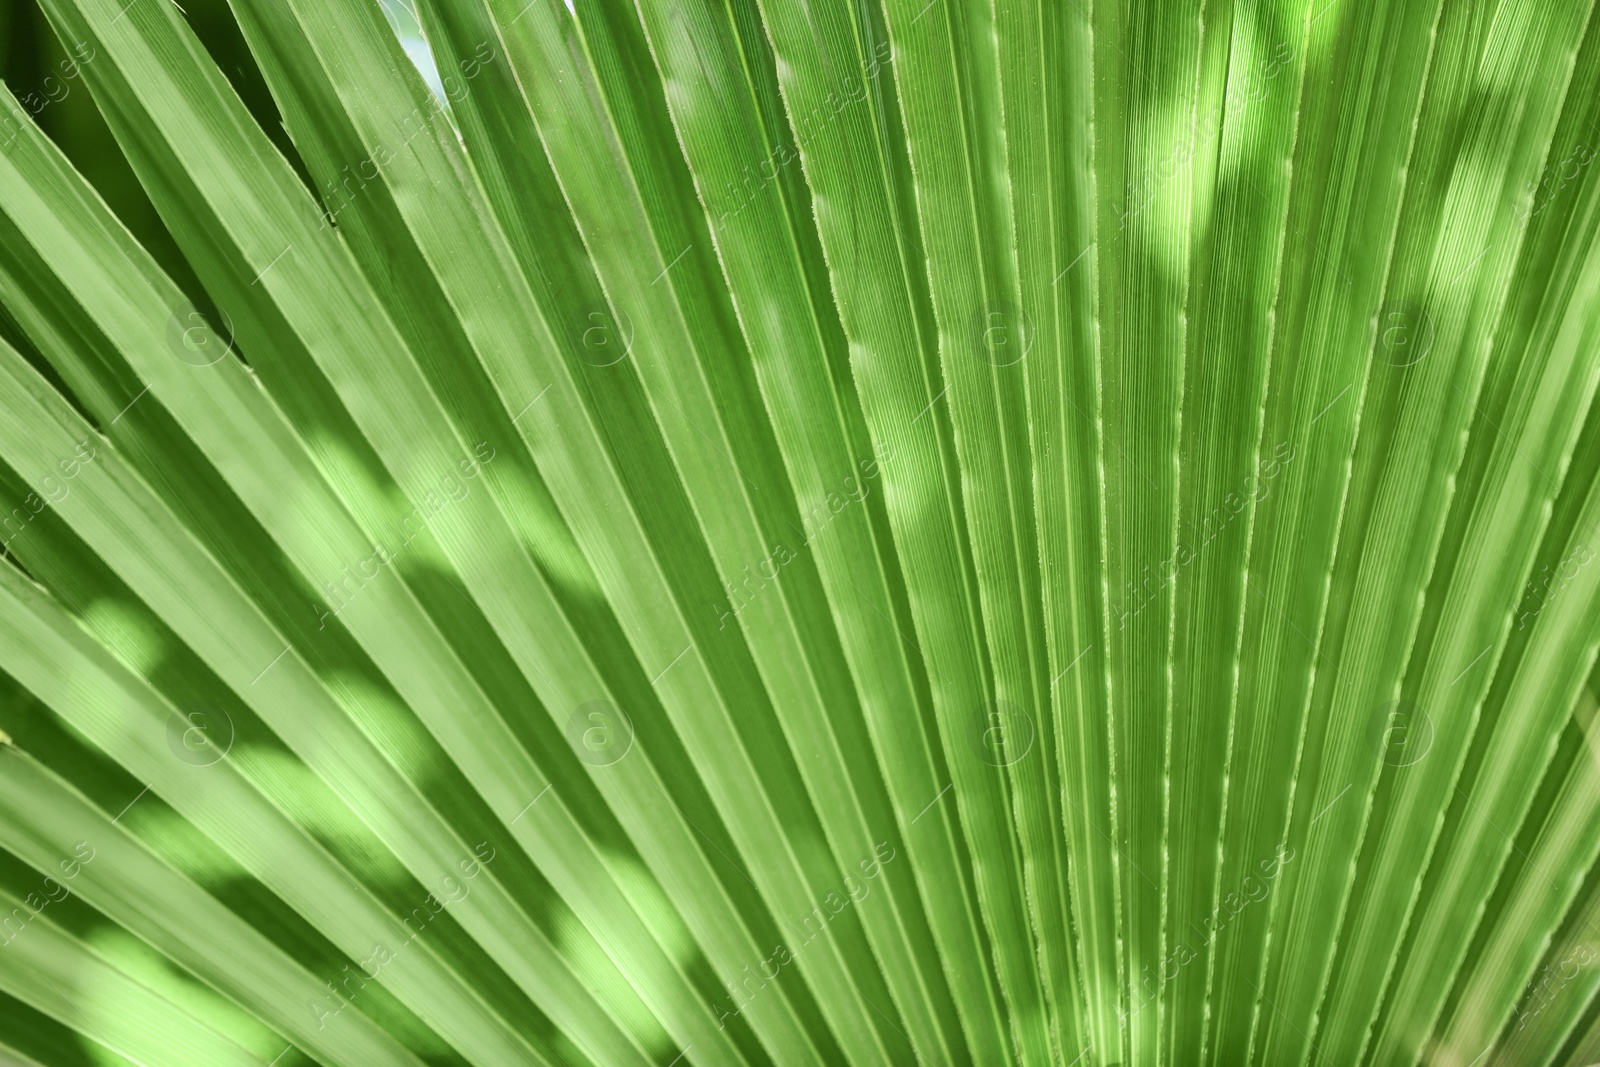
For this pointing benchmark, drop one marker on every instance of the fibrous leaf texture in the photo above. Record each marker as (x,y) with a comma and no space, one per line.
(580,533)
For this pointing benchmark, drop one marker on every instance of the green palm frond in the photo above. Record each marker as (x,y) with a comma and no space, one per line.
(752,532)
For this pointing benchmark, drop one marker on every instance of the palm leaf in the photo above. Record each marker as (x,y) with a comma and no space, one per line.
(844,532)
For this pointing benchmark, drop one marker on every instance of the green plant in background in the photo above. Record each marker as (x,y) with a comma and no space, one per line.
(757,532)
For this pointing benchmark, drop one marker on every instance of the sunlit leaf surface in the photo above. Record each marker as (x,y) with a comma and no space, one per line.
(783,532)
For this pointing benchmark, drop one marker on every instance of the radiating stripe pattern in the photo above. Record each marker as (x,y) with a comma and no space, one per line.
(760,533)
